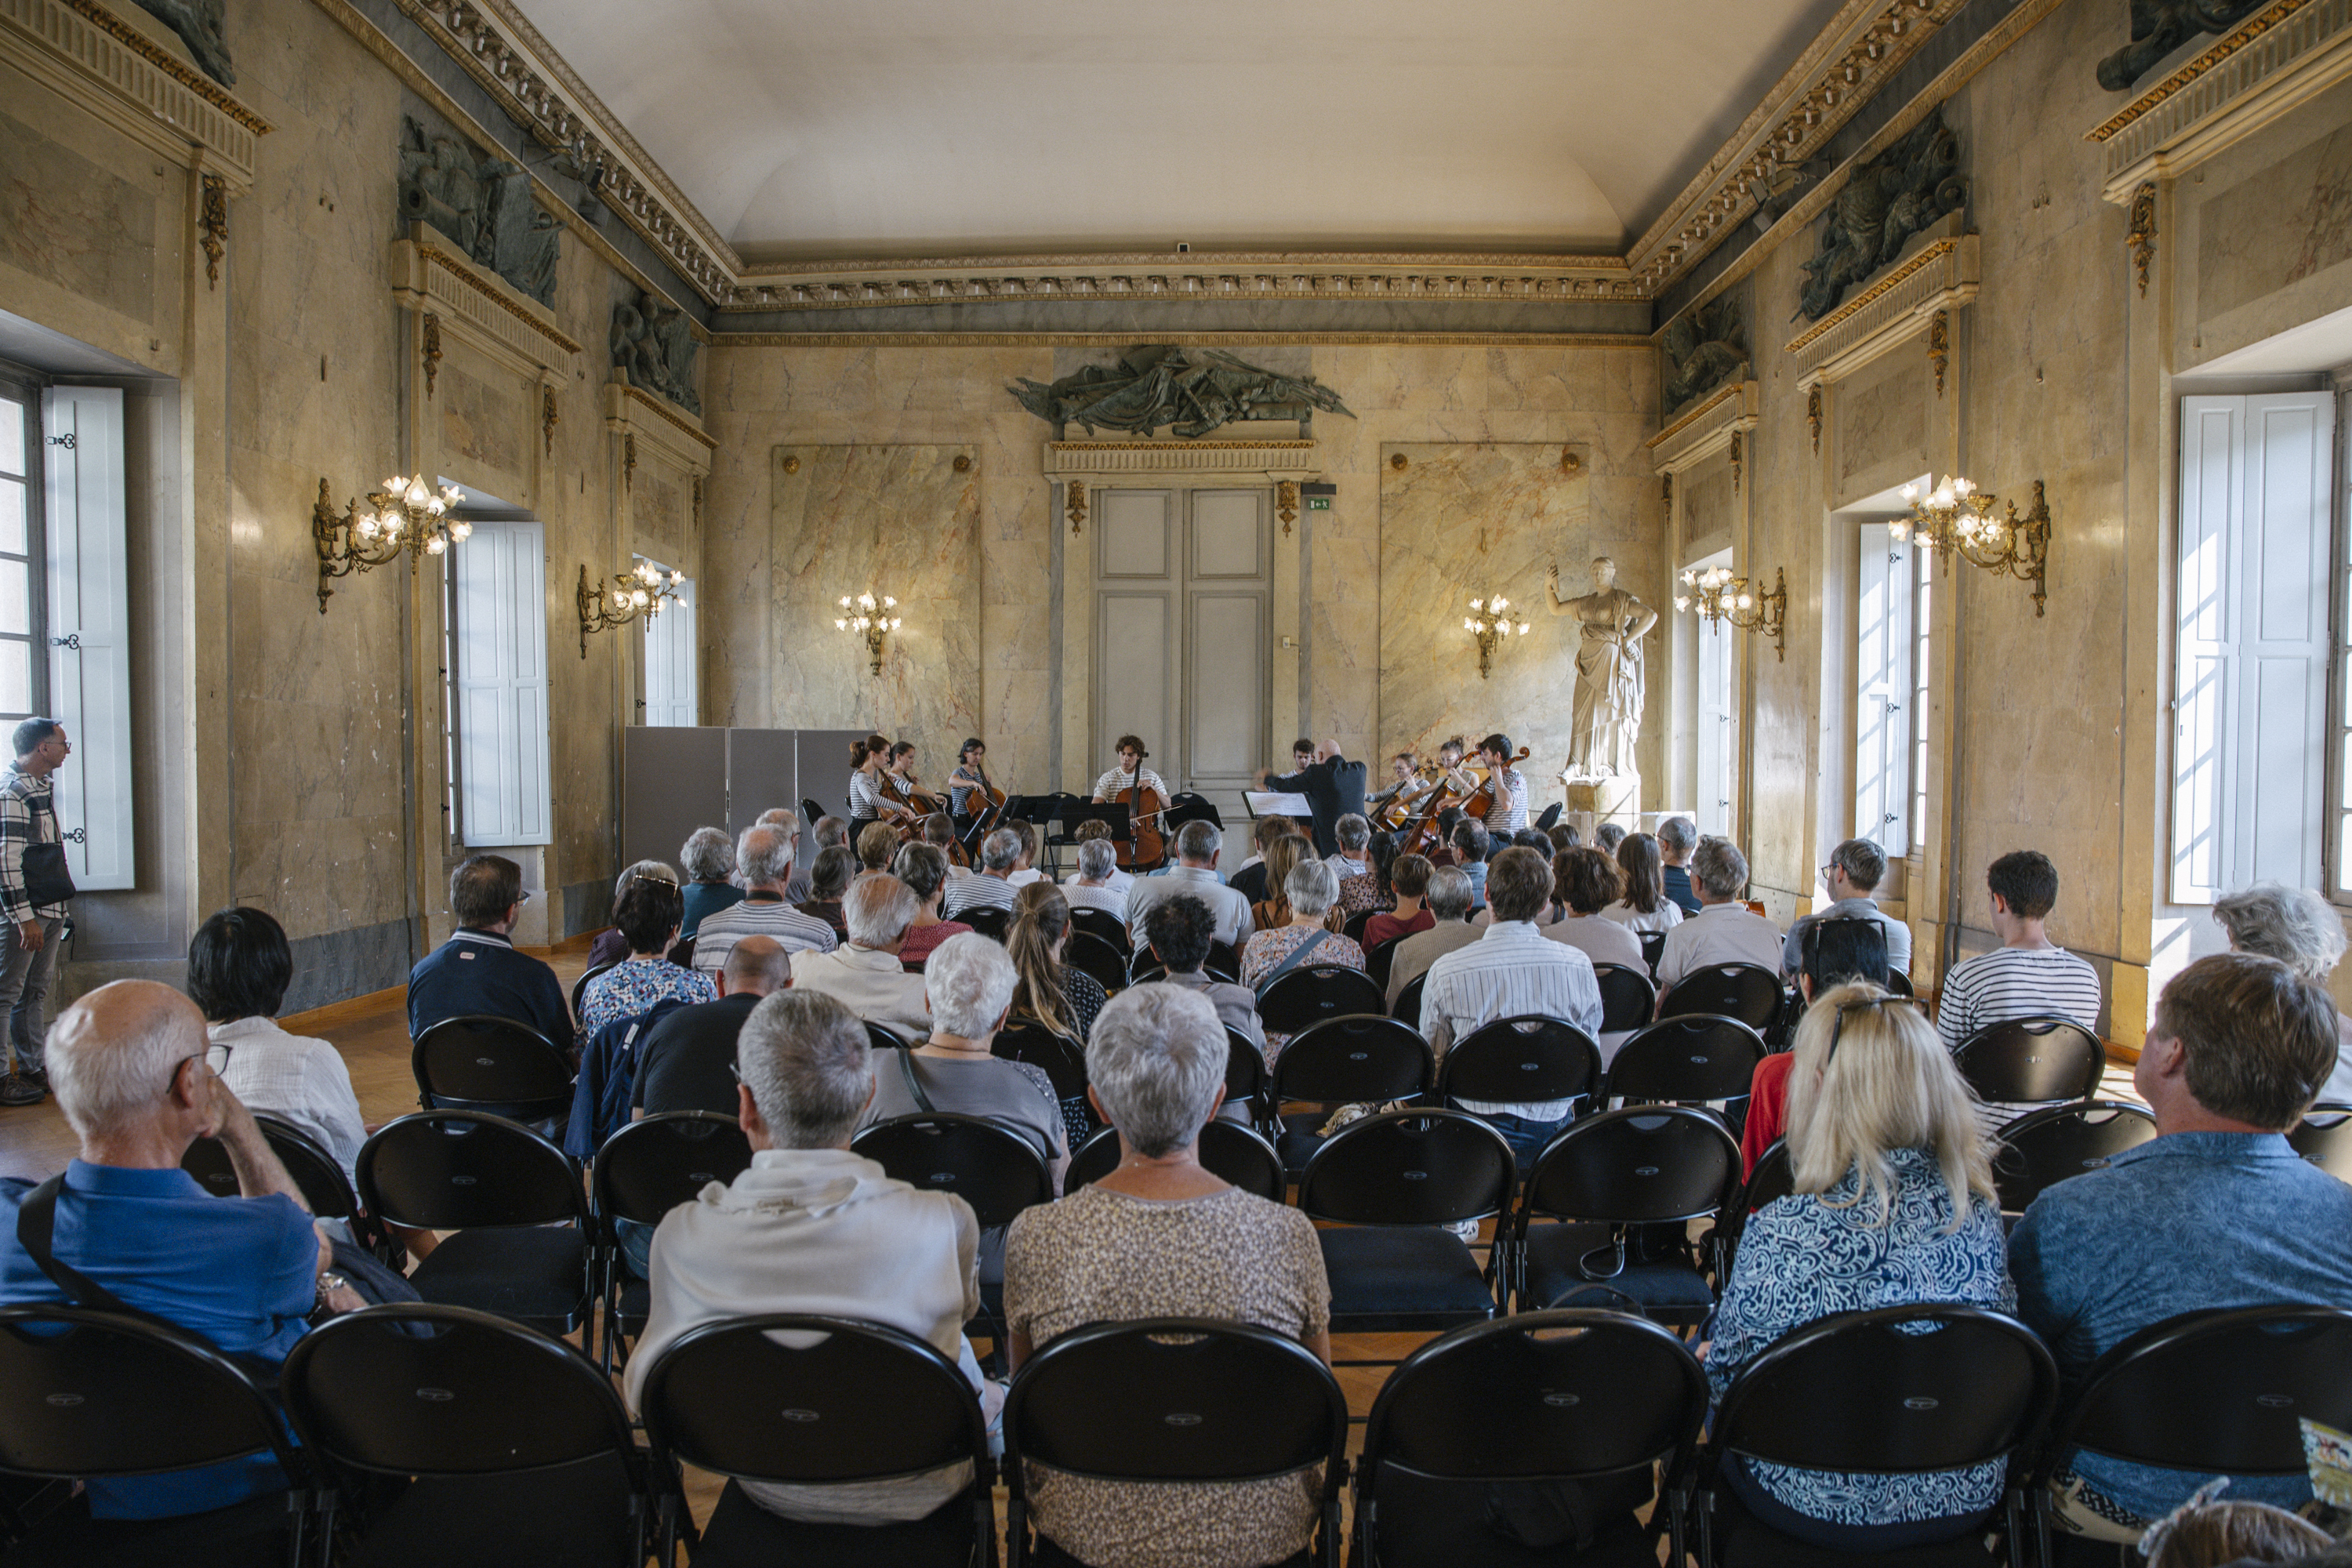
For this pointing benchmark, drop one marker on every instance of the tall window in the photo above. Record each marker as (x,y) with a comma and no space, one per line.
(669,660)
(1716,735)
(498,590)
(22,676)
(1890,679)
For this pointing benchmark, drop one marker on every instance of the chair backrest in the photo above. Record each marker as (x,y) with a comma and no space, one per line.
(1520,1060)
(1176,1399)
(1543,1396)
(883,1038)
(992,1168)
(84,1392)
(1409,1167)
(1223,962)
(1747,992)
(1246,1072)
(1639,1164)
(2044,1147)
(2324,1137)
(1378,960)
(858,1401)
(993,923)
(316,1174)
(482,1061)
(1313,993)
(1900,984)
(1229,1151)
(1354,927)
(1654,947)
(1144,967)
(1627,1000)
(2032,1061)
(1350,1060)
(1063,1059)
(1410,1000)
(1688,1058)
(474,1394)
(2220,1392)
(1774,1177)
(457,1170)
(1893,1391)
(810,814)
(1091,955)
(580,986)
(649,1167)
(1108,926)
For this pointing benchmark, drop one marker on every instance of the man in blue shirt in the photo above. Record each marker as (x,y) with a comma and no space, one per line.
(478,971)
(128,1064)
(2216,1212)
(1677,836)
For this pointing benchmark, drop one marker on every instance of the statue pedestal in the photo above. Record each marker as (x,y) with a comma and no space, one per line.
(1591,802)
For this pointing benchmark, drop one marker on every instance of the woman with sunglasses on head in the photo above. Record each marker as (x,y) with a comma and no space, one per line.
(1893,1206)
(1832,954)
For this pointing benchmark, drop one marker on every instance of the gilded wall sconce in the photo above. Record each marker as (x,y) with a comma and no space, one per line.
(630,596)
(1487,622)
(1729,600)
(870,618)
(1955,518)
(405,517)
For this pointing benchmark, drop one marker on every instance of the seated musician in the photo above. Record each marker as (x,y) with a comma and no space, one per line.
(1510,812)
(902,771)
(971,775)
(1129,772)
(870,799)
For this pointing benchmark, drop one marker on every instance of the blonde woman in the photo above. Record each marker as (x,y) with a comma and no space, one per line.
(1064,999)
(1893,1206)
(1282,857)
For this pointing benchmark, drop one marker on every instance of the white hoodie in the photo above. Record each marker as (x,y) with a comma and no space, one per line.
(821,1231)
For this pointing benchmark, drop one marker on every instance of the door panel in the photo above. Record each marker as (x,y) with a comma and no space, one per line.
(1134,533)
(1135,690)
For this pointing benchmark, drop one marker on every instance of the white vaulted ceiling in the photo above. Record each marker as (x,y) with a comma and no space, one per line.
(817,130)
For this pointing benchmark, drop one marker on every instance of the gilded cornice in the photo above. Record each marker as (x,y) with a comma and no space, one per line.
(487,283)
(1236,340)
(1926,255)
(1721,394)
(126,76)
(661,408)
(2246,33)
(155,54)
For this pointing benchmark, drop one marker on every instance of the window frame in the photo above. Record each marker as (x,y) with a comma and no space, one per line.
(25,386)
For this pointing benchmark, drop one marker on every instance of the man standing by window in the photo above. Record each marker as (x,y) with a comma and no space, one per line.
(34,902)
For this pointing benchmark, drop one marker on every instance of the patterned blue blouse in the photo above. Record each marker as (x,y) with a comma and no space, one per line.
(1801,1260)
(634,985)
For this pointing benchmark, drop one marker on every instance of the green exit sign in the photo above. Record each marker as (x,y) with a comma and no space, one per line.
(1318,503)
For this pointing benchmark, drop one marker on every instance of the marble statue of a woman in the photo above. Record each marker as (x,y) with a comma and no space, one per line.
(1609,676)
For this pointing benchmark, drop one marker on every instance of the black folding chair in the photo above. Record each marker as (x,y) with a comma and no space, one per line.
(1354,927)
(2032,1061)
(1229,1151)
(1394,1182)
(515,1448)
(883,1038)
(1645,1166)
(1773,1178)
(1378,960)
(2324,1137)
(643,1172)
(85,1396)
(1245,1076)
(1747,992)
(1346,1061)
(2044,1147)
(492,1065)
(1190,1400)
(1891,1392)
(992,1168)
(1628,999)
(1408,1003)
(1654,948)
(993,923)
(1106,925)
(802,1400)
(1520,1060)
(522,1249)
(1060,1057)
(316,1176)
(1223,962)
(1693,1058)
(1315,992)
(580,986)
(1584,1400)
(810,813)
(1092,956)
(2212,1392)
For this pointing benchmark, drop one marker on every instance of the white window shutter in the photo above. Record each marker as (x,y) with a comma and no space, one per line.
(1882,772)
(90,630)
(500,594)
(1715,738)
(2280,811)
(669,662)
(2205,634)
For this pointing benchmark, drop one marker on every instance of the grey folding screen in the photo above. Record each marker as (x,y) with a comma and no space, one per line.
(674,781)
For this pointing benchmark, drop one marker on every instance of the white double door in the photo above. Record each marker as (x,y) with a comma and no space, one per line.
(1181,580)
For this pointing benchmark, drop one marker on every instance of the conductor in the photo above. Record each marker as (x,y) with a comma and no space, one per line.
(1333,786)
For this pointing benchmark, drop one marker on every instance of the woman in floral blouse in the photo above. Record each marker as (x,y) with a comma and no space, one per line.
(1893,1206)
(648,915)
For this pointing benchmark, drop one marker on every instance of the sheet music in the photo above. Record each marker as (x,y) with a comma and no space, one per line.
(1264,802)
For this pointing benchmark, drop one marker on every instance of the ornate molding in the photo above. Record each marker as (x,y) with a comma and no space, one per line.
(548,417)
(2141,239)
(1215,339)
(1272,461)
(1074,497)
(1813,414)
(429,274)
(1940,275)
(1939,346)
(1715,425)
(629,461)
(2260,70)
(212,227)
(1130,276)
(152,93)
(631,412)
(432,351)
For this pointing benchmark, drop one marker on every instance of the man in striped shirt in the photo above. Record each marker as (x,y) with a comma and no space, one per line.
(2027,975)
(1000,852)
(1510,812)
(763,857)
(29,816)
(1512,970)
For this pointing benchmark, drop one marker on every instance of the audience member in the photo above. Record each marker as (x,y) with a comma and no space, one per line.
(1609,836)
(1091,888)
(1512,970)
(832,833)
(477,971)
(1409,880)
(1307,938)
(1368,891)
(1835,953)
(1353,857)
(2216,1211)
(611,946)
(1449,906)
(1282,857)
(708,858)
(865,973)
(1724,930)
(1064,999)
(924,869)
(876,843)
(29,963)
(649,914)
(2302,930)
(244,1273)
(1000,853)
(1643,905)
(1178,932)
(1893,1206)
(1160,1236)
(1198,845)
(763,859)
(685,1060)
(1471,844)
(1855,869)
(796,888)
(1111,880)
(1677,836)
(1588,883)
(812,1228)
(829,879)
(1564,837)
(238,968)
(1249,881)
(1024,869)
(2207,1532)
(1443,855)
(939,833)
(2027,975)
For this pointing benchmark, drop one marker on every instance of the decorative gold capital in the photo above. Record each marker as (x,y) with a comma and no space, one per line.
(1285,504)
(2141,239)
(1073,499)
(214,224)
(548,417)
(431,330)
(1939,345)
(1739,454)
(628,465)
(1813,417)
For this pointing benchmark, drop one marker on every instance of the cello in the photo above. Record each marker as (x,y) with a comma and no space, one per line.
(1146,848)
(1482,800)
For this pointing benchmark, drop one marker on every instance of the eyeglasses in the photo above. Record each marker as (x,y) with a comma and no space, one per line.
(1837,1027)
